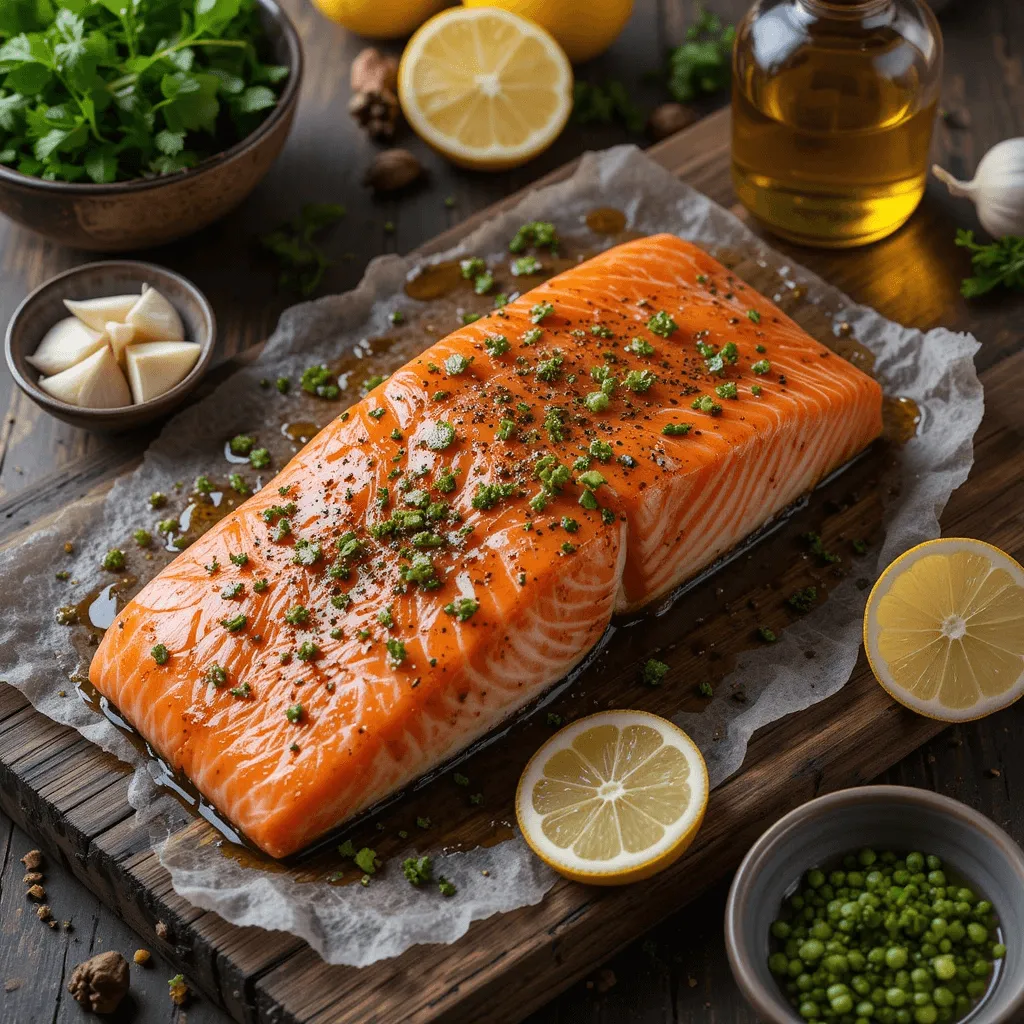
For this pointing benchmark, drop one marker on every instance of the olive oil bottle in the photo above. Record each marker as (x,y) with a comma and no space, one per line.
(833,107)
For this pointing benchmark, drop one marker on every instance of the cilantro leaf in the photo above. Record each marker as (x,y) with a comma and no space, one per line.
(1000,263)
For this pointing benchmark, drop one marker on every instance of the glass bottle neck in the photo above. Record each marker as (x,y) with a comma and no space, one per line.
(846,8)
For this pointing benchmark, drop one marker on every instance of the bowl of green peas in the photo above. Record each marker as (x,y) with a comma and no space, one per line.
(880,905)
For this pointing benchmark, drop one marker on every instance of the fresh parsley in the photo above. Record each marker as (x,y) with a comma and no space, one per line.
(115,90)
(1001,263)
(702,65)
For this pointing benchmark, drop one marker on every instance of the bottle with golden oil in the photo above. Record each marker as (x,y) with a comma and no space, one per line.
(833,107)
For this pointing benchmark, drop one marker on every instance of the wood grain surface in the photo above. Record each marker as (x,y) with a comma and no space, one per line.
(63,790)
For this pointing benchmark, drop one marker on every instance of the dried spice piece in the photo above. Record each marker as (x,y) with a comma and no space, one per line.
(33,860)
(178,990)
(668,119)
(392,170)
(142,956)
(37,893)
(101,982)
(374,102)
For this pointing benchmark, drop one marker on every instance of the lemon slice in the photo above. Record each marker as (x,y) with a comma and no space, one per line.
(487,88)
(944,629)
(613,798)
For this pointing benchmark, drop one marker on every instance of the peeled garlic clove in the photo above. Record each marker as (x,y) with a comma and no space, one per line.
(120,337)
(154,318)
(95,313)
(95,383)
(997,189)
(155,367)
(67,342)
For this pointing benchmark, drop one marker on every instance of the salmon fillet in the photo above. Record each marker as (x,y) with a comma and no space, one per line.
(459,539)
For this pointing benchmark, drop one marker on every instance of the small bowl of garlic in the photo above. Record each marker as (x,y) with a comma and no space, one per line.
(111,345)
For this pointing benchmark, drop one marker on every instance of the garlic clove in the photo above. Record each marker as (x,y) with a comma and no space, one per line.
(154,318)
(67,342)
(997,188)
(156,366)
(95,313)
(120,337)
(95,383)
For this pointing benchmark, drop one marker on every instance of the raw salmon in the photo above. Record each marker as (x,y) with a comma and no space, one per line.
(458,540)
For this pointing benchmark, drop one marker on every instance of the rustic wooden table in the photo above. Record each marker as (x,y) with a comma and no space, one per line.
(678,972)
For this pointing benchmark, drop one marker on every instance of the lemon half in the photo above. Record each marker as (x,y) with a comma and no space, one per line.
(613,798)
(944,629)
(488,89)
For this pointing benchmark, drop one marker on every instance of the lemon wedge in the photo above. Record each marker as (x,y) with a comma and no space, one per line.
(613,798)
(488,89)
(944,629)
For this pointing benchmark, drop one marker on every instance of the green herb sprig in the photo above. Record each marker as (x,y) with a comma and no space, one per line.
(302,262)
(999,264)
(702,65)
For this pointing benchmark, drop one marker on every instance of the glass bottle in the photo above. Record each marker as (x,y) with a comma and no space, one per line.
(833,107)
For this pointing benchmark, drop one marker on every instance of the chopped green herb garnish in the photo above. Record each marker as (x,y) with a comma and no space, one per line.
(803,600)
(766,634)
(203,485)
(235,623)
(396,317)
(483,283)
(283,385)
(754,316)
(294,713)
(488,495)
(456,364)
(385,617)
(705,689)
(215,675)
(462,608)
(445,887)
(817,547)
(601,450)
(525,265)
(318,380)
(755,390)
(258,586)
(597,401)
(237,483)
(553,720)
(240,559)
(859,546)
(307,552)
(496,344)
(569,524)
(242,444)
(654,672)
(259,458)
(157,499)
(726,390)
(469,318)
(143,538)
(440,436)
(367,861)
(761,366)
(418,870)
(639,380)
(600,331)
(232,590)
(472,267)
(662,324)
(550,369)
(423,823)
(676,429)
(160,654)
(421,571)
(308,651)
(297,615)
(242,691)
(540,233)
(704,403)
(506,430)
(540,311)
(113,560)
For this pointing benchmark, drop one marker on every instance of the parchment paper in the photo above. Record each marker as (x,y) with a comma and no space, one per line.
(356,925)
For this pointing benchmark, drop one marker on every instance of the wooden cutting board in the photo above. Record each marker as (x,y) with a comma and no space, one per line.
(72,797)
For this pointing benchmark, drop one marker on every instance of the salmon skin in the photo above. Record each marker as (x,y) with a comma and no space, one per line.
(458,540)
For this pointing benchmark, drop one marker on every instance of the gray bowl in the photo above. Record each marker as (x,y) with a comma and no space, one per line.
(44,307)
(884,817)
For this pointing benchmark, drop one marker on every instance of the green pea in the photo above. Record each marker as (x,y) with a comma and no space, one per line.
(895,996)
(976,933)
(808,1010)
(926,1015)
(812,950)
(998,951)
(944,967)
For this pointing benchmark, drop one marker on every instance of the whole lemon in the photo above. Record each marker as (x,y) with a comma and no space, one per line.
(380,19)
(583,30)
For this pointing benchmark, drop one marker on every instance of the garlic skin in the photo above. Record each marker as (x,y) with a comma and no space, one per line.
(997,189)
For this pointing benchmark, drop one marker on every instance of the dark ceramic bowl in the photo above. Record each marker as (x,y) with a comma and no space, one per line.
(884,817)
(45,306)
(148,212)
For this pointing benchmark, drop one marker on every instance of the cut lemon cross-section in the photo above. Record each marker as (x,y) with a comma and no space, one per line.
(486,88)
(944,629)
(613,798)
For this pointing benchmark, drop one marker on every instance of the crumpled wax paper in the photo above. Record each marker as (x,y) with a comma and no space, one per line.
(349,924)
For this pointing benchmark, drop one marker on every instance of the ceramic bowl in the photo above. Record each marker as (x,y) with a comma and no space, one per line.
(883,817)
(147,212)
(45,306)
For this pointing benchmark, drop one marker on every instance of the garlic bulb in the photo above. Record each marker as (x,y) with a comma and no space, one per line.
(997,189)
